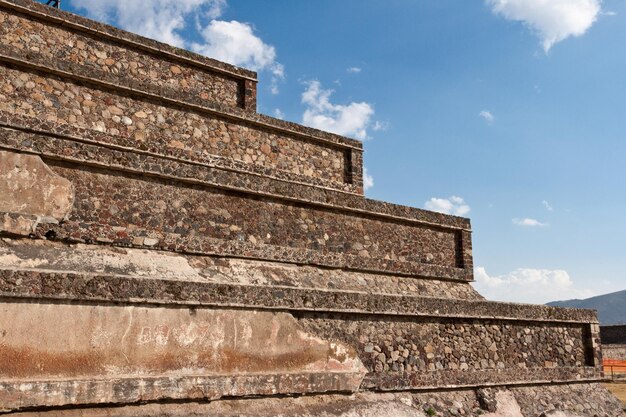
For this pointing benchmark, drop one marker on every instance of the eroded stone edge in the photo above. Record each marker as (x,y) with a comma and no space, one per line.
(31,193)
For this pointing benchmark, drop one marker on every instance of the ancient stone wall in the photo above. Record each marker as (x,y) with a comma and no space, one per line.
(163,245)
(120,61)
(174,215)
(420,345)
(157,99)
(614,352)
(154,128)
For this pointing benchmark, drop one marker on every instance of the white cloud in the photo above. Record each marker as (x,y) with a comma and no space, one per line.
(529,222)
(279,114)
(350,120)
(163,20)
(453,205)
(368,180)
(487,115)
(235,42)
(354,70)
(526,285)
(547,205)
(278,74)
(171,21)
(552,20)
(380,126)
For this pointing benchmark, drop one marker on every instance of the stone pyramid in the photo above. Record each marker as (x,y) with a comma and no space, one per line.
(168,251)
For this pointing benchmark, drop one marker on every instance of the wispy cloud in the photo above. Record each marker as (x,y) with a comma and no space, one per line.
(368,180)
(453,205)
(487,116)
(351,119)
(163,20)
(380,126)
(354,70)
(547,205)
(177,22)
(528,285)
(526,222)
(278,75)
(279,114)
(552,20)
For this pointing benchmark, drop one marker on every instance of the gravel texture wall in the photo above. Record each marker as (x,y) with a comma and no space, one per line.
(196,219)
(156,128)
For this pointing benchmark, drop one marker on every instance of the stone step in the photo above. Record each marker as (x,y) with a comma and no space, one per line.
(248,142)
(115,206)
(152,321)
(75,145)
(120,352)
(70,43)
(214,280)
(574,400)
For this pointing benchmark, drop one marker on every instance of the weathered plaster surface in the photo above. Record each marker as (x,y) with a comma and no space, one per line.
(28,186)
(19,224)
(52,256)
(110,344)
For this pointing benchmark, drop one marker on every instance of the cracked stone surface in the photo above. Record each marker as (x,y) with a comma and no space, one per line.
(81,354)
(29,186)
(367,404)
(53,256)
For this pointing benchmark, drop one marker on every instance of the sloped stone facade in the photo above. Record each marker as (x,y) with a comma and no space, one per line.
(166,250)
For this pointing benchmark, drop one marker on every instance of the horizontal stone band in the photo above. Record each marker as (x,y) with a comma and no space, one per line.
(70,286)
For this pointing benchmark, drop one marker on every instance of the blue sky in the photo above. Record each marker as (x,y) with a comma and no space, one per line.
(510,112)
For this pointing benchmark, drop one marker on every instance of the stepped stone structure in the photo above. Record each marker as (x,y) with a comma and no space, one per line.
(613,340)
(165,250)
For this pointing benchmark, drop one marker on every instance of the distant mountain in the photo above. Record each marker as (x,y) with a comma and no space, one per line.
(611,307)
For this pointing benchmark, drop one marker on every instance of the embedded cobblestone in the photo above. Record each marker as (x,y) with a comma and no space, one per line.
(160,211)
(116,62)
(160,129)
(418,345)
